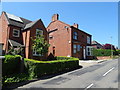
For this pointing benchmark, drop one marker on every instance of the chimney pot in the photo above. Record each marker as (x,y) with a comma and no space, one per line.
(55,17)
(75,25)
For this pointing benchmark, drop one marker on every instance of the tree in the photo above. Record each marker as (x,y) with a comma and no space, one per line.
(40,45)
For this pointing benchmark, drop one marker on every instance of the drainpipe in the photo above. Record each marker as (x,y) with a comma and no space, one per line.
(7,41)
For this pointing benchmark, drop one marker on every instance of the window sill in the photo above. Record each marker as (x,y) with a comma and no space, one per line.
(16,36)
(38,55)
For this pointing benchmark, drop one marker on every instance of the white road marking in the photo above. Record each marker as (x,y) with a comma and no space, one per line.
(108,71)
(89,86)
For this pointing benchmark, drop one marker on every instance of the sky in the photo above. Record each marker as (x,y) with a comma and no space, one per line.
(100,19)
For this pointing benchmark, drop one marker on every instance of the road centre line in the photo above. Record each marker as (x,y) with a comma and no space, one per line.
(108,71)
(89,86)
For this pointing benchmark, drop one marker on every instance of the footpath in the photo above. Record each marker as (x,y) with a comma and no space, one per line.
(87,63)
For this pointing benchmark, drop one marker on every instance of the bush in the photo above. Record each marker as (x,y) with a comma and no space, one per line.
(118,51)
(63,58)
(104,52)
(14,78)
(10,65)
(34,68)
(39,68)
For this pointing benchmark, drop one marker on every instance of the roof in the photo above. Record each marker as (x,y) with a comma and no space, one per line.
(67,25)
(14,43)
(81,30)
(58,21)
(30,24)
(13,17)
(95,42)
(17,21)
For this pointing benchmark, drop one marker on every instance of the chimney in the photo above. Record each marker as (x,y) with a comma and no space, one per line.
(55,17)
(75,25)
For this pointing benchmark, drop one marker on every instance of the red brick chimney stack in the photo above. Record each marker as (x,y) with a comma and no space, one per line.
(55,17)
(75,25)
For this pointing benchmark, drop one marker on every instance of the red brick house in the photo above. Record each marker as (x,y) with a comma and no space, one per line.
(67,40)
(17,31)
(96,45)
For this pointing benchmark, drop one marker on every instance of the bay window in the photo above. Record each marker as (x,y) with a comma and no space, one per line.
(89,50)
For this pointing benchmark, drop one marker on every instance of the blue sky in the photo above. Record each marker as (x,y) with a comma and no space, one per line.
(100,19)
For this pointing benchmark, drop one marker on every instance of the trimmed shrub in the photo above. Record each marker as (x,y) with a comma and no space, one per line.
(14,78)
(103,52)
(10,65)
(34,68)
(63,58)
(118,51)
(39,68)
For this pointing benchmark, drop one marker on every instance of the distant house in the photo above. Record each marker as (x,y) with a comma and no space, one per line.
(17,32)
(109,46)
(67,40)
(96,45)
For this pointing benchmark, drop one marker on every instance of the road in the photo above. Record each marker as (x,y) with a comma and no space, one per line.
(101,75)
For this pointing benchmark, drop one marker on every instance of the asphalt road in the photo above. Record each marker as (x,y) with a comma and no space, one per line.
(101,75)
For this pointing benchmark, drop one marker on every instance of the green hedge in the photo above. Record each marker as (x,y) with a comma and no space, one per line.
(39,68)
(103,52)
(34,68)
(14,78)
(63,58)
(10,65)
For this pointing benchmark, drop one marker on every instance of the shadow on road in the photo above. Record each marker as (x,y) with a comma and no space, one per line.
(15,85)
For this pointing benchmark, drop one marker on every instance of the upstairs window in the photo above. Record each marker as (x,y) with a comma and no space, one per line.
(16,33)
(50,37)
(88,39)
(75,35)
(39,32)
(66,27)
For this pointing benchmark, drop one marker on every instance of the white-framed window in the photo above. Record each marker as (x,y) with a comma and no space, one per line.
(74,48)
(16,33)
(66,27)
(75,35)
(88,39)
(35,53)
(39,32)
(78,47)
(89,50)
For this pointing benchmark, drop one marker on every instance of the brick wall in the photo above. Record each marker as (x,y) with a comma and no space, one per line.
(31,33)
(61,39)
(3,30)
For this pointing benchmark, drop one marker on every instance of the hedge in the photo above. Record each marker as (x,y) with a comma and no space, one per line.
(63,58)
(39,68)
(103,52)
(14,78)
(10,65)
(34,68)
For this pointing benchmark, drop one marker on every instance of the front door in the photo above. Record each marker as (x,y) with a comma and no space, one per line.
(84,52)
(54,51)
